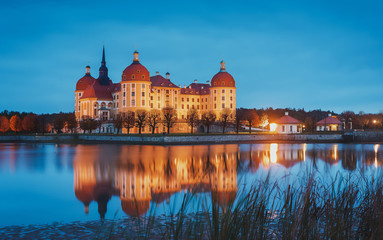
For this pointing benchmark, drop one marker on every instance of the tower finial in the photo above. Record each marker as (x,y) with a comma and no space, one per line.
(223,68)
(135,56)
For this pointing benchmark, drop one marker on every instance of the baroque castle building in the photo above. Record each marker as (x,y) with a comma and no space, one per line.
(102,99)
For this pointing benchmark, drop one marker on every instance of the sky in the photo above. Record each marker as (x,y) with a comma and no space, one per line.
(298,54)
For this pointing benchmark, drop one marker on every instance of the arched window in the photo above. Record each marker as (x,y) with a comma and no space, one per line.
(143,76)
(103,104)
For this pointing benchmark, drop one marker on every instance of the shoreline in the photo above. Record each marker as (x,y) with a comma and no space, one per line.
(157,139)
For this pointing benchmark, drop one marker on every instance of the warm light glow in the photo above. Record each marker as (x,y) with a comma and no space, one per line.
(335,152)
(273,127)
(273,152)
(304,151)
(374,121)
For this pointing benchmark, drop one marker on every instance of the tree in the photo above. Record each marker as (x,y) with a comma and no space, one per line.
(170,117)
(264,120)
(208,119)
(4,124)
(141,120)
(15,123)
(71,122)
(129,121)
(59,123)
(192,119)
(225,117)
(29,123)
(153,118)
(88,124)
(309,124)
(252,118)
(239,117)
(118,122)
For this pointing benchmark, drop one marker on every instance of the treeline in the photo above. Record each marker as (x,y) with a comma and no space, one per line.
(16,122)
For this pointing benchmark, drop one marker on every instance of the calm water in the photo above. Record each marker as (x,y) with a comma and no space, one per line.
(46,183)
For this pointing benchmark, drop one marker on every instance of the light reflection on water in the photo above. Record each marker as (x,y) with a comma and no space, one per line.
(42,183)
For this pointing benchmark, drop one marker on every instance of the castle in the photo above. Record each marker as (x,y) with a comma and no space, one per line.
(102,99)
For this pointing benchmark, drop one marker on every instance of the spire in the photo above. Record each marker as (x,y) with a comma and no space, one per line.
(103,70)
(103,56)
(223,68)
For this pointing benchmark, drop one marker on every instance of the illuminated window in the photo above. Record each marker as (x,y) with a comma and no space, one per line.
(143,102)
(182,106)
(215,106)
(133,85)
(187,99)
(192,99)
(151,105)
(187,106)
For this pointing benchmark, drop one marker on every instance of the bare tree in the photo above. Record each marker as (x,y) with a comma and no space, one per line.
(239,117)
(225,118)
(153,119)
(71,122)
(252,118)
(170,117)
(141,119)
(118,122)
(192,119)
(129,121)
(208,119)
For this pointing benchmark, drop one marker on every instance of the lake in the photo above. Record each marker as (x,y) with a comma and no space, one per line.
(47,183)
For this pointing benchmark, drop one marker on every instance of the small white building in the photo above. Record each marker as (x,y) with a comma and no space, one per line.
(286,124)
(329,124)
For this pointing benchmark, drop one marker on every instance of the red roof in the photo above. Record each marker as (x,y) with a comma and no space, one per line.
(196,89)
(160,81)
(222,79)
(84,82)
(135,72)
(329,120)
(116,87)
(96,90)
(287,120)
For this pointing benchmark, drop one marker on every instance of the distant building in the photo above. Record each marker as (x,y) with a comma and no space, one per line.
(329,123)
(286,124)
(102,99)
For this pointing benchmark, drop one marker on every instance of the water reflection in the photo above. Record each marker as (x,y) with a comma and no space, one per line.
(145,175)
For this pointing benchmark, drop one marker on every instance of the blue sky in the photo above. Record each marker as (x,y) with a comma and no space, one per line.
(301,54)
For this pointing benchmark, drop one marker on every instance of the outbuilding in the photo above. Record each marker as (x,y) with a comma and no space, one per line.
(329,123)
(286,124)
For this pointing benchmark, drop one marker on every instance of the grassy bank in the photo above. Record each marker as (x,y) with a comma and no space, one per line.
(345,208)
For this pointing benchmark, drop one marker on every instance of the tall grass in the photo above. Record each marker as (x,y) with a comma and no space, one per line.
(346,208)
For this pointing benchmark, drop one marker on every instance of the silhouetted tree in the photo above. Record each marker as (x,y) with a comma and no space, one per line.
(59,123)
(208,119)
(225,117)
(129,121)
(239,118)
(71,122)
(29,123)
(153,119)
(141,120)
(192,119)
(118,122)
(309,124)
(88,124)
(252,118)
(170,117)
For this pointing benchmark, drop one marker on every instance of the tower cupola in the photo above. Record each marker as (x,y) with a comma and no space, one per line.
(135,56)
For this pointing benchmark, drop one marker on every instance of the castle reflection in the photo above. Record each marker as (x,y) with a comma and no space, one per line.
(145,175)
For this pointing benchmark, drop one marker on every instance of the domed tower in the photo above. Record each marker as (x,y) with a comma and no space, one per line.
(82,84)
(135,87)
(222,92)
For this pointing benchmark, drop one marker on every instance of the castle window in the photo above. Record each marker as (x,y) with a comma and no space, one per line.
(151,105)
(123,103)
(132,76)
(215,83)
(182,106)
(223,90)
(123,94)
(183,117)
(159,105)
(201,99)
(192,106)
(133,102)
(215,106)
(215,98)
(231,98)
(133,85)
(176,106)
(123,77)
(79,94)
(198,107)
(215,91)
(187,106)
(187,99)
(197,99)
(202,107)
(183,99)
(223,105)
(133,94)
(231,105)
(143,86)
(223,98)
(159,98)
(143,94)
(143,76)
(151,98)
(192,99)
(167,91)
(231,91)
(158,91)
(143,102)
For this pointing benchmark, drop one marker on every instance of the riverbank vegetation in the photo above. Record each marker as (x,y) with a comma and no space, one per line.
(24,123)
